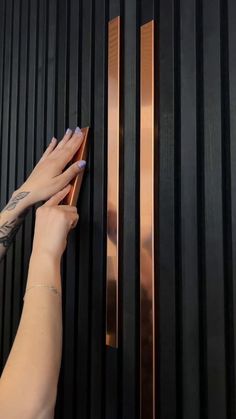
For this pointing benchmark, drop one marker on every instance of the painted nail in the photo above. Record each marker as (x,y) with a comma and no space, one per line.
(81,164)
(78,130)
(68,131)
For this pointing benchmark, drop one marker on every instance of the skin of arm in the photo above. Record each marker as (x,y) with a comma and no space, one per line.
(28,385)
(47,178)
(11,219)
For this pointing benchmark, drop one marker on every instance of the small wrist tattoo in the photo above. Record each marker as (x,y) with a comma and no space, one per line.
(15,200)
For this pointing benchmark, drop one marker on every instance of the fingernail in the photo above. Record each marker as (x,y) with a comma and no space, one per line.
(53,139)
(78,130)
(81,164)
(68,131)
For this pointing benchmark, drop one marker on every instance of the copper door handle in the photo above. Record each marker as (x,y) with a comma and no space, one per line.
(147,278)
(112,273)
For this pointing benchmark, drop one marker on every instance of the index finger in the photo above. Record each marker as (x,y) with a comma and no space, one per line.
(58,197)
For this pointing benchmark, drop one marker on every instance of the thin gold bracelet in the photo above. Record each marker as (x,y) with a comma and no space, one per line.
(51,287)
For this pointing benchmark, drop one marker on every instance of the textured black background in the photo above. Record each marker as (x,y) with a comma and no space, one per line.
(53,75)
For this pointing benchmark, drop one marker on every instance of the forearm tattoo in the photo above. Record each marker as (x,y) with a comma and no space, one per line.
(8,231)
(15,200)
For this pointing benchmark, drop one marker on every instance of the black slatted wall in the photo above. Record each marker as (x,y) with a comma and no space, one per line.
(53,75)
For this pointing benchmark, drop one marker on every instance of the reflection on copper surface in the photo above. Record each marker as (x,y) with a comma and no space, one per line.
(82,154)
(147,324)
(113,181)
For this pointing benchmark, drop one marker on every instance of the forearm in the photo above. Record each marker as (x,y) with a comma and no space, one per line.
(32,369)
(11,219)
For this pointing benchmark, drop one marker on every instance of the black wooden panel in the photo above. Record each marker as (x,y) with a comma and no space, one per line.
(31,116)
(227,214)
(53,75)
(2,72)
(200,212)
(230,261)
(10,273)
(16,281)
(84,278)
(50,69)
(213,237)
(61,122)
(71,273)
(167,365)
(130,266)
(4,167)
(186,212)
(2,46)
(20,174)
(98,165)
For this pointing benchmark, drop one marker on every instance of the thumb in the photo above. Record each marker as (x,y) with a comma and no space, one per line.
(58,197)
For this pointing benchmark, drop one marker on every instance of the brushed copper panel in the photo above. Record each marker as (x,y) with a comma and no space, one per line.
(82,154)
(112,267)
(147,279)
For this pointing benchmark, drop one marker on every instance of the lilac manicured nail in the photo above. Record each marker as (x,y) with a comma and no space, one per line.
(68,131)
(78,130)
(81,164)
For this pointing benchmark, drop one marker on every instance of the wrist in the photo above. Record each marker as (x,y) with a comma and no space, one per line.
(44,268)
(43,254)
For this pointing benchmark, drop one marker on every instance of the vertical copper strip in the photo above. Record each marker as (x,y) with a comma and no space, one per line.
(113,181)
(147,307)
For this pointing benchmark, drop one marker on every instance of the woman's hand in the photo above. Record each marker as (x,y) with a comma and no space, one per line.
(52,225)
(47,178)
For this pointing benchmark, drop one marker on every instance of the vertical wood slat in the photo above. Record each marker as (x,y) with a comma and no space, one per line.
(71,278)
(200,207)
(177,200)
(12,164)
(215,328)
(98,153)
(129,394)
(2,74)
(83,295)
(227,214)
(2,48)
(166,252)
(31,124)
(231,19)
(5,161)
(40,82)
(61,70)
(188,227)
(20,144)
(51,70)
(6,98)
(61,122)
